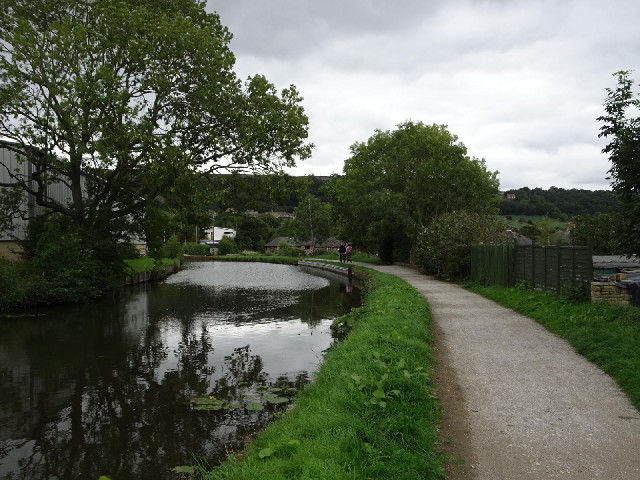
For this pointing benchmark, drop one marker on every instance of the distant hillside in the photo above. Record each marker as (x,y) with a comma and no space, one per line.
(557,201)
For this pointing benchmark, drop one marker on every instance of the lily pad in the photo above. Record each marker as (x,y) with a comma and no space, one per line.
(182,469)
(276,399)
(273,389)
(206,401)
(232,406)
(209,407)
(255,406)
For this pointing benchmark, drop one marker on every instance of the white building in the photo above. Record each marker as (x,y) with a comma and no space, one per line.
(218,233)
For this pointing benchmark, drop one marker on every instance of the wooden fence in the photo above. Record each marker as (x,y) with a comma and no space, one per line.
(548,267)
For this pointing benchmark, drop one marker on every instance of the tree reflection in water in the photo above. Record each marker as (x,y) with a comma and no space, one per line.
(106,389)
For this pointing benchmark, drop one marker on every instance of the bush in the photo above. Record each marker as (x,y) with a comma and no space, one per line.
(226,246)
(12,289)
(172,249)
(73,264)
(287,250)
(444,248)
(199,249)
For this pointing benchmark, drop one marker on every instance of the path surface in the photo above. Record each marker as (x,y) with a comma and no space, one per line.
(519,402)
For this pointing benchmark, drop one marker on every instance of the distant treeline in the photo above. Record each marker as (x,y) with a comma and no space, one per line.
(557,202)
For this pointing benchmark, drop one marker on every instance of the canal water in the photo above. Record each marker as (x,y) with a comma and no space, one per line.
(174,373)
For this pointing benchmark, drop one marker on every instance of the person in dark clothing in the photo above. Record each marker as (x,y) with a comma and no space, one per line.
(342,251)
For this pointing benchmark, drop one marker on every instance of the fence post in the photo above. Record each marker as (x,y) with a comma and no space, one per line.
(559,250)
(533,264)
(545,268)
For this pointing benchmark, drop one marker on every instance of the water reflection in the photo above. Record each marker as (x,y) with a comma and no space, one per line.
(107,389)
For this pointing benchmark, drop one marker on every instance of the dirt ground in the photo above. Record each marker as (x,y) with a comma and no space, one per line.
(518,402)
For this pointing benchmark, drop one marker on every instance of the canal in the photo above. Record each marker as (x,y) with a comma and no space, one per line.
(171,374)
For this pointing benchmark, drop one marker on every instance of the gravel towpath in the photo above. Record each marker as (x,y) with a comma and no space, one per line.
(518,402)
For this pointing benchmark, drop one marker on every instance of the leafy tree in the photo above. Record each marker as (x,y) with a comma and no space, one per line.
(252,233)
(312,220)
(546,231)
(118,100)
(599,229)
(444,247)
(400,181)
(558,202)
(227,246)
(624,153)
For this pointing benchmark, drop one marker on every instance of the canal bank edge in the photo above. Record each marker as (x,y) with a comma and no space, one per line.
(150,276)
(371,411)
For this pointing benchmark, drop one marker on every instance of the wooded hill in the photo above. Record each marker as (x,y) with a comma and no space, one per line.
(557,202)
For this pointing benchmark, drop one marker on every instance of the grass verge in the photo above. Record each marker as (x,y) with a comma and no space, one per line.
(356,257)
(148,264)
(370,413)
(605,333)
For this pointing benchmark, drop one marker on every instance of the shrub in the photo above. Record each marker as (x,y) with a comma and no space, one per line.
(173,248)
(73,264)
(200,249)
(287,250)
(12,289)
(227,246)
(444,248)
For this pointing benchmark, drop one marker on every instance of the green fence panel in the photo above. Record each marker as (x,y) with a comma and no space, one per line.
(547,267)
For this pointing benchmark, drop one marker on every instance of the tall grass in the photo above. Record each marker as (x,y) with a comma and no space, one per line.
(605,333)
(370,413)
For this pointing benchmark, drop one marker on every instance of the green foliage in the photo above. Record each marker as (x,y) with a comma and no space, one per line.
(199,249)
(606,334)
(371,411)
(624,153)
(600,230)
(227,246)
(397,182)
(148,264)
(252,233)
(287,250)
(71,264)
(12,284)
(11,201)
(312,220)
(557,202)
(130,114)
(445,246)
(172,249)
(545,231)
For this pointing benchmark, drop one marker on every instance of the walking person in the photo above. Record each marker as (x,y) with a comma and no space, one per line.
(348,253)
(342,251)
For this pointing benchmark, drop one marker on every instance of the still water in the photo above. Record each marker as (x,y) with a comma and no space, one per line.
(181,370)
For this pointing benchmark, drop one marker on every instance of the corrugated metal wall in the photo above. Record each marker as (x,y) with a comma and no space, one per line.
(56,191)
(9,160)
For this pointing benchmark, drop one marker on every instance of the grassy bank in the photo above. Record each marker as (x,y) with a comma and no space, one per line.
(253,258)
(370,412)
(147,264)
(606,334)
(356,257)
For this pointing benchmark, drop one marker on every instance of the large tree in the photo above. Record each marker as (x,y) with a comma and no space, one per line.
(400,181)
(623,129)
(115,99)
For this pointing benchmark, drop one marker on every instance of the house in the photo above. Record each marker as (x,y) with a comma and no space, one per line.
(331,244)
(272,246)
(218,233)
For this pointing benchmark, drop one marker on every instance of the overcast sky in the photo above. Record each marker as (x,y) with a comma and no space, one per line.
(520,82)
